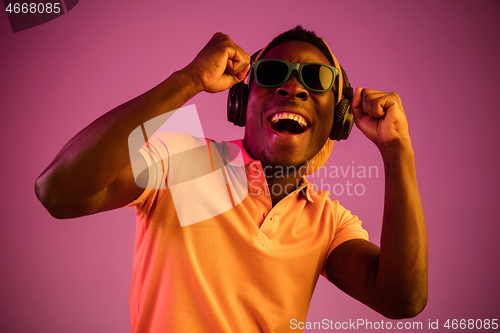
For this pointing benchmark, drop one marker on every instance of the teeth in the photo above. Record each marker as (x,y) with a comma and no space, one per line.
(285,115)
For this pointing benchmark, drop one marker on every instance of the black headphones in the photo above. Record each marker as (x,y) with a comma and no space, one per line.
(343,118)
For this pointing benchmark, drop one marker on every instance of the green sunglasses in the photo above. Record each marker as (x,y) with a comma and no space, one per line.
(314,76)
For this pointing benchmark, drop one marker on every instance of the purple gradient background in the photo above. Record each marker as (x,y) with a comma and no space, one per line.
(440,56)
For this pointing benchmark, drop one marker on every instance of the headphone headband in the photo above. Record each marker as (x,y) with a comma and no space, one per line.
(341,76)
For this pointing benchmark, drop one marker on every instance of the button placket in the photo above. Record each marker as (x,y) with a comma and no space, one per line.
(270,226)
(258,189)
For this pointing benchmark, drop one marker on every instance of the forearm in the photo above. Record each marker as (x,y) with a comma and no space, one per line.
(97,155)
(402,270)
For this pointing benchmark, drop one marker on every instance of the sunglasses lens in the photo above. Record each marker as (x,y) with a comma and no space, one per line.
(271,73)
(317,77)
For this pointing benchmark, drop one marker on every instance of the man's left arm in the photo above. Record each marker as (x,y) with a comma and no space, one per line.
(391,279)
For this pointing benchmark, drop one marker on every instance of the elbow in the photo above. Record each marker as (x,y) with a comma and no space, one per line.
(408,308)
(406,312)
(47,196)
(60,202)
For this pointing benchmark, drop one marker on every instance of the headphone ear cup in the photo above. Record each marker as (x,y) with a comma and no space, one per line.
(237,104)
(342,121)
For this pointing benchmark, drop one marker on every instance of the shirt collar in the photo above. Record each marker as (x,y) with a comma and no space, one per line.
(236,157)
(307,189)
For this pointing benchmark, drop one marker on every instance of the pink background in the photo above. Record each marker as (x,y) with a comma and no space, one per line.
(440,56)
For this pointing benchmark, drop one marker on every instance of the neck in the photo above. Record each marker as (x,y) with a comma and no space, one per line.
(282,181)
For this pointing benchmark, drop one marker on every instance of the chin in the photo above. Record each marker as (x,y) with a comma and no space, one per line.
(285,162)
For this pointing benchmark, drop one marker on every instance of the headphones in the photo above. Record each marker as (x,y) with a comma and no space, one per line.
(343,118)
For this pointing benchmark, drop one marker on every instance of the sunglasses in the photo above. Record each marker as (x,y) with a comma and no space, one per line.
(314,76)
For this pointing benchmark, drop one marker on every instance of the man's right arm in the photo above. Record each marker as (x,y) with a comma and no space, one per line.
(92,173)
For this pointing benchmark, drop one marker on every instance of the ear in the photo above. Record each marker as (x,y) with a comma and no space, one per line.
(343,120)
(237,104)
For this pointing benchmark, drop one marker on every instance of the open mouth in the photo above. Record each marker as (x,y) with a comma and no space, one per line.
(288,123)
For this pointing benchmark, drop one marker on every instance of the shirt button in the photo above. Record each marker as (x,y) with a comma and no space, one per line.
(254,167)
(259,192)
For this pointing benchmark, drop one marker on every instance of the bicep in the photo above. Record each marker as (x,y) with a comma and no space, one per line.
(352,267)
(119,193)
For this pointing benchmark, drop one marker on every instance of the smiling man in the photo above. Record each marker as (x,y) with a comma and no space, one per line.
(308,118)
(252,268)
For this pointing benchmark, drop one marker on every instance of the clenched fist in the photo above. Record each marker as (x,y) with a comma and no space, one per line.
(380,116)
(219,65)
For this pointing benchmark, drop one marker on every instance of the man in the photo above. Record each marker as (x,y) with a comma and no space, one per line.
(254,267)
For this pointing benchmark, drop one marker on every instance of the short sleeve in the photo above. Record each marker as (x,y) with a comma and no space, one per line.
(151,167)
(166,160)
(347,227)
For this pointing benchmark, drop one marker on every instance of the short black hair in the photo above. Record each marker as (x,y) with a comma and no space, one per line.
(300,34)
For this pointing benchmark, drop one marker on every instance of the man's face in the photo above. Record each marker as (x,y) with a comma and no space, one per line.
(288,142)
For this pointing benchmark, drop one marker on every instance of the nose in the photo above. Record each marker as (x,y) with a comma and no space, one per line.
(293,88)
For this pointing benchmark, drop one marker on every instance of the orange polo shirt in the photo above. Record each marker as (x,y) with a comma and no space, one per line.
(251,268)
